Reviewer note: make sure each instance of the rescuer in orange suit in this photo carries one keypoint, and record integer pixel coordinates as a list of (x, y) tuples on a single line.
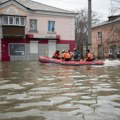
[(89, 56), (71, 54), (67, 56)]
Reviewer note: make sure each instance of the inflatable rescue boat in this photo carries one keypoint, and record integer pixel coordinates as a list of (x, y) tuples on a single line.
[(45, 59)]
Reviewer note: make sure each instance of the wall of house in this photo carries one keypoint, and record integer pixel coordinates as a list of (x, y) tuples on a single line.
[(110, 37), (96, 41), (63, 26)]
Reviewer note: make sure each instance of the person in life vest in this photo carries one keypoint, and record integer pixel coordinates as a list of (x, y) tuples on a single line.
[(89, 56), (67, 56), (56, 55), (71, 54), (63, 55), (76, 55)]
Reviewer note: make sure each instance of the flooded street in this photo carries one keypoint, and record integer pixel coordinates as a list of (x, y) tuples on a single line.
[(30, 90)]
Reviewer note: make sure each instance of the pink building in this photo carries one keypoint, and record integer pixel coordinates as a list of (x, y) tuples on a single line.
[(29, 29)]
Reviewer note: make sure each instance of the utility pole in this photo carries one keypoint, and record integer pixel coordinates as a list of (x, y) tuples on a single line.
[(89, 25)]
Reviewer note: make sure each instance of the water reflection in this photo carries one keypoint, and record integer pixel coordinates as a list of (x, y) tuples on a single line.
[(35, 91)]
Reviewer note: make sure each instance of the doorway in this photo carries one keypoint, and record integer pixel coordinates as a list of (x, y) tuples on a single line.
[(51, 47)]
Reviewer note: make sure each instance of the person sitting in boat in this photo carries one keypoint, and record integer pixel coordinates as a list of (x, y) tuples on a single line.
[(67, 56), (76, 55), (56, 55), (63, 55), (89, 56), (71, 54)]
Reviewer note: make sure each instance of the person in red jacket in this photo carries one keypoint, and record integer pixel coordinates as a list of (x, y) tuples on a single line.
[(56, 55)]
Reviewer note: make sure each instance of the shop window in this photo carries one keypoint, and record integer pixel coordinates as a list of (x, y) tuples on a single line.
[(17, 49)]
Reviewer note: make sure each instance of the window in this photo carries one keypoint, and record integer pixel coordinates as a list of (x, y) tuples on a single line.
[(17, 21), (13, 20), (33, 25), (22, 19), (99, 35), (51, 26), (110, 51), (5, 20), (17, 49)]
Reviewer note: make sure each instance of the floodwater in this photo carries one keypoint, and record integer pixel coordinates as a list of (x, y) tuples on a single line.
[(30, 90)]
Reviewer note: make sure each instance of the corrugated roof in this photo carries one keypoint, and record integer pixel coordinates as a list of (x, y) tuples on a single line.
[(38, 6)]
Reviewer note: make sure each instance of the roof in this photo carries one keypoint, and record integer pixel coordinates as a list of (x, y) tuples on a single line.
[(108, 22), (36, 6)]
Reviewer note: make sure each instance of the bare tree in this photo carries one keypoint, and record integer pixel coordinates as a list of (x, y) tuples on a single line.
[(115, 7), (113, 38), (81, 28)]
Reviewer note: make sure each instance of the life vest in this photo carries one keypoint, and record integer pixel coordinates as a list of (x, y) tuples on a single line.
[(63, 55), (67, 55)]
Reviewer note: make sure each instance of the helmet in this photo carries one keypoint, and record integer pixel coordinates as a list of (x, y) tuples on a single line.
[(74, 49), (63, 50)]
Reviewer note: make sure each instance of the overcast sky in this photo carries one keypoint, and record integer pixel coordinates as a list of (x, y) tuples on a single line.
[(100, 6)]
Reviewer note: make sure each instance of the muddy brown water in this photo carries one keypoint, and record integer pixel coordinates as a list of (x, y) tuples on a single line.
[(30, 90)]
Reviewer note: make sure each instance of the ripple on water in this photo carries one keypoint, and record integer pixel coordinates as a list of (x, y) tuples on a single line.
[(11, 86), (44, 89), (33, 104), (4, 81), (81, 76), (71, 94), (20, 97), (59, 99), (27, 83), (20, 114)]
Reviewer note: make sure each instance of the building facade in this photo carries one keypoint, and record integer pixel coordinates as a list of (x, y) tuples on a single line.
[(29, 29), (106, 38)]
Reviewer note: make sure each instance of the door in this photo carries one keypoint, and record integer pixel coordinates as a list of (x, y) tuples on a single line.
[(100, 51), (51, 47)]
